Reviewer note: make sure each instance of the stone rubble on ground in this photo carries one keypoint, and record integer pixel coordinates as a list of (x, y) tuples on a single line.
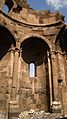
[(36, 114)]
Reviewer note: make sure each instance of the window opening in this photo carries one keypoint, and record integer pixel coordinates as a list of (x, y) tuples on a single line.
[(32, 70), (5, 9), (7, 6)]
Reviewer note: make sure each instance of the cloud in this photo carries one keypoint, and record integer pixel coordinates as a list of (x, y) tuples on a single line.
[(57, 3)]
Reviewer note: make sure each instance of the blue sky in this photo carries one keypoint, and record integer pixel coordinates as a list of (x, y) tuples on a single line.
[(52, 5)]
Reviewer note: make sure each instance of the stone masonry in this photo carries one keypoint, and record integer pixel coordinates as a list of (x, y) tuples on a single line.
[(39, 37)]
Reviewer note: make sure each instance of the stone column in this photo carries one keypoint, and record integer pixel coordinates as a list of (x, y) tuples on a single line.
[(11, 65), (50, 78), (11, 61), (19, 73), (56, 105), (54, 75), (15, 75), (60, 90), (66, 68), (20, 65)]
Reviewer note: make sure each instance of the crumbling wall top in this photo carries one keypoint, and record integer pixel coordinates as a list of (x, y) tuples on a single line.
[(21, 11), (2, 3)]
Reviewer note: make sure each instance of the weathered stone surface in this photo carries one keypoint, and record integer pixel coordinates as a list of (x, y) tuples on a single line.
[(1, 3), (39, 37)]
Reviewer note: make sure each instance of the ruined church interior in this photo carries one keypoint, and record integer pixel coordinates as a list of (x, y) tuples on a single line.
[(33, 62)]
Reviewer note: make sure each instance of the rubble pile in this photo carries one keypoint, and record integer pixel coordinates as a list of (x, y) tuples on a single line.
[(36, 114)]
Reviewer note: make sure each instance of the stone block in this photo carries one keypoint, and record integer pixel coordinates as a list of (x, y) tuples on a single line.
[(32, 19), (33, 106), (65, 103), (24, 14)]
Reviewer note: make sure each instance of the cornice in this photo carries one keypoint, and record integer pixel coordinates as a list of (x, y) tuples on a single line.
[(29, 24)]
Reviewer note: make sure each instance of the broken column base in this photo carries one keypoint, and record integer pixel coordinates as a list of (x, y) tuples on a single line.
[(56, 107)]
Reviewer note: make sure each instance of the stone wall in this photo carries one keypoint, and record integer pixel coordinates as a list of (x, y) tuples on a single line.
[(30, 36)]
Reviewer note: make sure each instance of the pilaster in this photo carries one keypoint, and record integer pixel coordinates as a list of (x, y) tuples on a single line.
[(50, 77), (15, 75), (54, 75)]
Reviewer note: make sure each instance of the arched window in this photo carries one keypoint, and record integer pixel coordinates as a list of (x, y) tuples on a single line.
[(5, 9), (8, 6), (32, 70)]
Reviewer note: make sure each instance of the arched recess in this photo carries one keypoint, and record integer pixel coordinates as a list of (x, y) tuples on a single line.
[(34, 51), (59, 39), (61, 54), (34, 48), (6, 40), (29, 35)]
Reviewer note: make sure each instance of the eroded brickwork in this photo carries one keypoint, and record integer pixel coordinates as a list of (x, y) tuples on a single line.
[(39, 37)]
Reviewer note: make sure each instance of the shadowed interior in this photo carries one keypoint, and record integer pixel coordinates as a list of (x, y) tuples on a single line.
[(6, 40), (34, 50)]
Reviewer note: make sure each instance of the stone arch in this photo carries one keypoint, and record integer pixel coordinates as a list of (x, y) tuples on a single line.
[(38, 36), (34, 50), (6, 27), (59, 32), (56, 38), (6, 40), (44, 43), (59, 43), (9, 31)]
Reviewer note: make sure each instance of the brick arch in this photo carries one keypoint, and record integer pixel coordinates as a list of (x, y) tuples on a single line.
[(38, 36)]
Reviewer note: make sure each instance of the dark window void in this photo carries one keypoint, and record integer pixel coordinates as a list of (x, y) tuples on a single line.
[(6, 41), (7, 6), (34, 50), (32, 70)]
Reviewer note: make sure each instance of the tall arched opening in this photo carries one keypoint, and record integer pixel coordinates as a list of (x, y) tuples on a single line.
[(35, 59), (7, 41)]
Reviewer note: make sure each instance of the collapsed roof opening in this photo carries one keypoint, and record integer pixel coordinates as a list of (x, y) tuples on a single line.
[(33, 50)]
